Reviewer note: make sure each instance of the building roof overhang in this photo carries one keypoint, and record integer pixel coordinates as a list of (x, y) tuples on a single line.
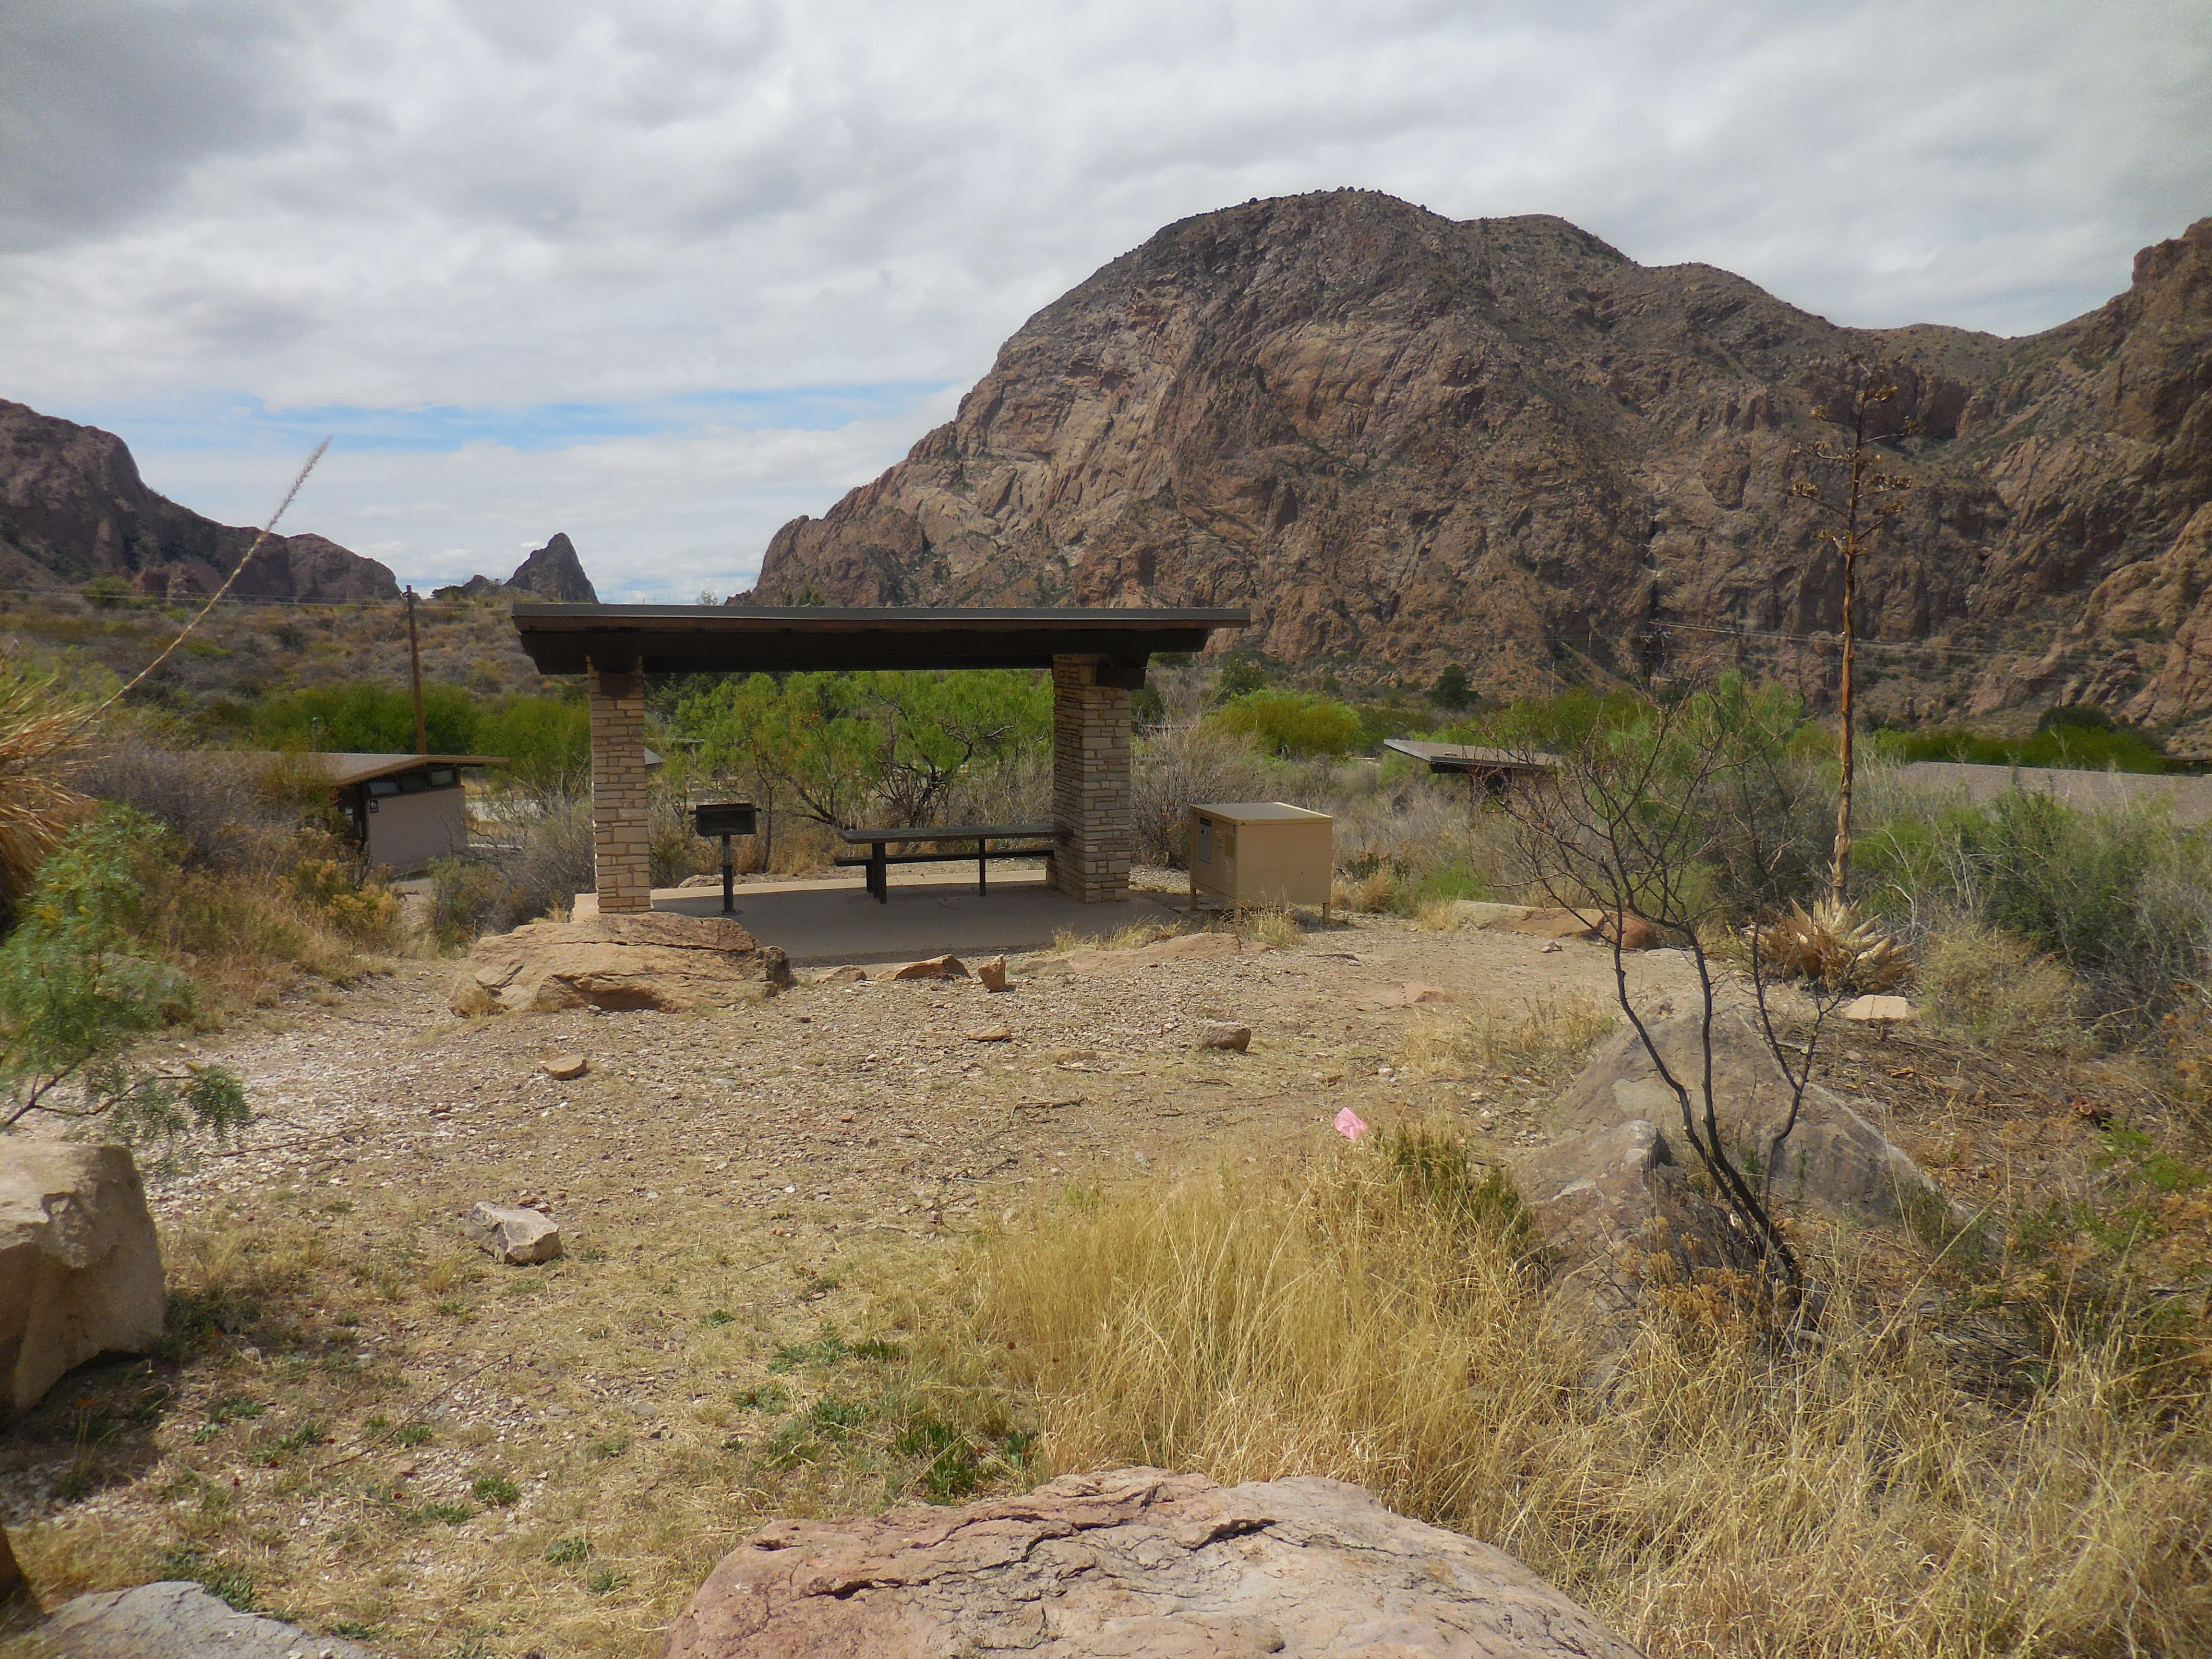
[(709, 639), (344, 768)]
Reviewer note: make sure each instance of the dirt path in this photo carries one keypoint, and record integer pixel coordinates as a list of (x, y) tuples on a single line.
[(369, 1425)]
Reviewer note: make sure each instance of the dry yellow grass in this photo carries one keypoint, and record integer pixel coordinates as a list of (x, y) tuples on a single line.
[(43, 734), (1372, 1320), (1548, 1034)]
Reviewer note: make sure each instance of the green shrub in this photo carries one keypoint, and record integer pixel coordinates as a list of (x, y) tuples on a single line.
[(2085, 739), (78, 988), (2122, 898), (366, 717), (1292, 723)]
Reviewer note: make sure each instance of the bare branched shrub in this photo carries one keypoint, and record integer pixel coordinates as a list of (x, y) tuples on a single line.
[(1176, 765), (1690, 818)]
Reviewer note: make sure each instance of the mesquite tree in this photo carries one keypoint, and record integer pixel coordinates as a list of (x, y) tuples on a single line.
[(1864, 496), (78, 990)]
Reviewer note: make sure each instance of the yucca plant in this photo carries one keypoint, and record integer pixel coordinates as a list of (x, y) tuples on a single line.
[(1832, 945)]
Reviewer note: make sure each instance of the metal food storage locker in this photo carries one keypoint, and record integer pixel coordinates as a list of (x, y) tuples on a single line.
[(1249, 853)]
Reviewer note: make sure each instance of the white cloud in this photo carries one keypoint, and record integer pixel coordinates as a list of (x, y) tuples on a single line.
[(402, 203)]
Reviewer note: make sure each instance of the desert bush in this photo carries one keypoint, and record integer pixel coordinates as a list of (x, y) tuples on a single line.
[(1176, 765), (1831, 945), (1994, 988), (2123, 898), (1015, 787), (78, 990), (366, 717), (1292, 723), (1374, 1317), (547, 860)]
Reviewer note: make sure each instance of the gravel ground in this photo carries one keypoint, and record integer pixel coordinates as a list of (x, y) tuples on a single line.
[(732, 1185)]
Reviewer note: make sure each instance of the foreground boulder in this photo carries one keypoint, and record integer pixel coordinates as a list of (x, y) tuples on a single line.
[(79, 1268), (1134, 1562), (1835, 1160), (661, 960), (176, 1620), (1612, 1205)]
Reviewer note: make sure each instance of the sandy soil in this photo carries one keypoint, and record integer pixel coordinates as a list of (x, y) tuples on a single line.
[(352, 1382)]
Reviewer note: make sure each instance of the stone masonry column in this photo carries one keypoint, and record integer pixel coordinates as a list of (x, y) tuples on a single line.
[(1092, 822), (622, 853)]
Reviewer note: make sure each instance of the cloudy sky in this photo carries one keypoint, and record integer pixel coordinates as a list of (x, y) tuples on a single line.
[(665, 273)]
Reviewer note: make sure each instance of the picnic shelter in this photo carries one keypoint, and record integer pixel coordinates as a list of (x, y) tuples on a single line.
[(1097, 659)]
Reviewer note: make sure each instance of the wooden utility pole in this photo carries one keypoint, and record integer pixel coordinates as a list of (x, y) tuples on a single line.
[(414, 672)]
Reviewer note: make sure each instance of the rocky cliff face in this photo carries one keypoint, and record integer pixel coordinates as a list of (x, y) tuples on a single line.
[(73, 508), (1405, 441)]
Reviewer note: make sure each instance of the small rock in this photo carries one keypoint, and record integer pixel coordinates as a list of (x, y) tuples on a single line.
[(990, 1034), (1219, 1034), (522, 1238), (567, 1067), (944, 967), (992, 973), (1879, 1011), (845, 975), (1636, 933)]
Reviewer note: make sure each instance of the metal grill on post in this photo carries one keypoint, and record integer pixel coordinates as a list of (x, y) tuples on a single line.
[(725, 819)]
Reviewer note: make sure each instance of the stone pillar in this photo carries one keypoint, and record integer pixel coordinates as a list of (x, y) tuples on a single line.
[(622, 854), (1093, 822)]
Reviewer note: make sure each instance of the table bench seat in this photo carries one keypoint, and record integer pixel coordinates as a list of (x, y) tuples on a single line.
[(879, 858)]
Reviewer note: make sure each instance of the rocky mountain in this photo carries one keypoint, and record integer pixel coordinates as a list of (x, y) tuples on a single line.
[(1406, 441), (73, 509), (553, 574)]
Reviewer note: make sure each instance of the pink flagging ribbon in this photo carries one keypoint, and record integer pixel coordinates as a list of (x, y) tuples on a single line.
[(1349, 1124)]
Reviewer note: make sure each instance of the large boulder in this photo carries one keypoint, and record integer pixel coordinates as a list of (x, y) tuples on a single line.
[(176, 1620), (1834, 1160), (1134, 1562), (80, 1266), (660, 960)]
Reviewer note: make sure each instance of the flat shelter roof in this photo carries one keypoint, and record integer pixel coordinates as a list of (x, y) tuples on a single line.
[(346, 766), (693, 639), (1471, 758)]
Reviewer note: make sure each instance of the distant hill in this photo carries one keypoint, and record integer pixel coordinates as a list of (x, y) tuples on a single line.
[(1406, 441), (73, 509), (552, 573)]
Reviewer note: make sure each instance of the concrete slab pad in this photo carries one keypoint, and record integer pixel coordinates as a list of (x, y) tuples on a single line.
[(818, 923)]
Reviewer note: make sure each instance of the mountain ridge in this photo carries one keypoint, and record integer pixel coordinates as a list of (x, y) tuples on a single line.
[(73, 509), (1406, 441)]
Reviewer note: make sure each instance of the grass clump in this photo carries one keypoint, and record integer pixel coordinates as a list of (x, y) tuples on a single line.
[(1376, 1318), (1550, 1035), (1993, 989)]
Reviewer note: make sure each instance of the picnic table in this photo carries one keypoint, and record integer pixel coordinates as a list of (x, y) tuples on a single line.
[(879, 858)]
